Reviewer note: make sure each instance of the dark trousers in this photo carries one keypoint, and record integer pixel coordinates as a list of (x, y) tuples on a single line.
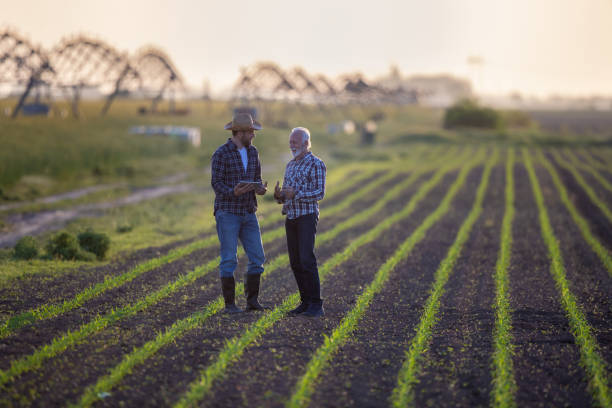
[(301, 233)]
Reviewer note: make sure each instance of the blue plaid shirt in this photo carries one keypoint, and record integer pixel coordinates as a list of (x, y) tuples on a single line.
[(227, 170), (307, 177)]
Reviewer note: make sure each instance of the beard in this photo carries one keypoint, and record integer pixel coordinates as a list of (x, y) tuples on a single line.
[(246, 142), (297, 152)]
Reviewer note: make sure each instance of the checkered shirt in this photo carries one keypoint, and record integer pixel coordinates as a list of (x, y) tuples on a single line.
[(227, 170), (307, 177)]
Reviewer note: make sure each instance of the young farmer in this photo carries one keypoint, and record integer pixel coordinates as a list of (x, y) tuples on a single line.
[(235, 205)]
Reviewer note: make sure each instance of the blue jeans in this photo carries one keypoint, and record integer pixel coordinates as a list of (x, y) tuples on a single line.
[(230, 228)]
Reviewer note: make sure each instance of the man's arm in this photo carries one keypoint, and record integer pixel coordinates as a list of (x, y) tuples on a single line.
[(217, 180)]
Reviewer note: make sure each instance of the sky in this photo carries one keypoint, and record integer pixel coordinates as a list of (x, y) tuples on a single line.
[(535, 47)]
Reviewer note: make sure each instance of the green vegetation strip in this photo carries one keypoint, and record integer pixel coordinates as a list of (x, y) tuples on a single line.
[(403, 394), (322, 357), (180, 327), (504, 385), (49, 311), (60, 344), (590, 169), (594, 158), (52, 310), (236, 346), (580, 221), (585, 186), (592, 361)]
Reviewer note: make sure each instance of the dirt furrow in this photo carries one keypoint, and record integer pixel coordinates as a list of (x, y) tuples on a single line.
[(364, 372), (588, 278), (457, 370), (49, 287), (27, 339), (600, 225), (169, 373), (604, 194), (88, 361), (546, 360), (43, 289)]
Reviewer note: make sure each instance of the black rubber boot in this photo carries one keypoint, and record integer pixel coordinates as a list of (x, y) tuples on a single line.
[(251, 291), (228, 286), (315, 309)]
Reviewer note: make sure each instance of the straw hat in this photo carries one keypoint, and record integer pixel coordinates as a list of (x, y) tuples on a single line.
[(243, 121)]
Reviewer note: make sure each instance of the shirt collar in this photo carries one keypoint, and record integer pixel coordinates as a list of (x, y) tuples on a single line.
[(232, 146), (309, 153)]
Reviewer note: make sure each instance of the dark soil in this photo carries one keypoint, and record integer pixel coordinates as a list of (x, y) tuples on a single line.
[(546, 360), (600, 191), (179, 364), (105, 349), (47, 288), (364, 372), (457, 370), (600, 226), (588, 278)]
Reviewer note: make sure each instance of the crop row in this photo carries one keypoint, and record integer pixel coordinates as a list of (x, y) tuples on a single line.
[(232, 350), (504, 385), (60, 344), (48, 311)]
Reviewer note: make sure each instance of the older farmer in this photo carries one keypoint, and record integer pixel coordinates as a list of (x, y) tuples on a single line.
[(303, 187)]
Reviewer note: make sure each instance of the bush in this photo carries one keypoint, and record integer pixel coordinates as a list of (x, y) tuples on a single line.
[(26, 248), (467, 113), (65, 246), (96, 243)]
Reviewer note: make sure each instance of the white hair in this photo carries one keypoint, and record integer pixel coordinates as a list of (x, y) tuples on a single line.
[(305, 134)]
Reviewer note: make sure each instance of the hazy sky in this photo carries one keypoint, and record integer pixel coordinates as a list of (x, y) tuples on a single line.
[(537, 47)]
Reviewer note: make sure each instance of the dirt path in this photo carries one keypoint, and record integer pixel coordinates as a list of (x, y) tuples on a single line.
[(23, 224), (546, 361)]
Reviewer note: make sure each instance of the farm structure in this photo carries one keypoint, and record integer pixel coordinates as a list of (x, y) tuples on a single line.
[(458, 276)]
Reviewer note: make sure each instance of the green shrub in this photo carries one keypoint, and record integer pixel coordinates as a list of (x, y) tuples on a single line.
[(467, 113), (26, 248), (96, 243), (123, 228), (65, 246)]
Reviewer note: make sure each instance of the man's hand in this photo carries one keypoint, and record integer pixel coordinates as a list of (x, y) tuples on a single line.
[(288, 192), (278, 194), (262, 188), (241, 189)]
